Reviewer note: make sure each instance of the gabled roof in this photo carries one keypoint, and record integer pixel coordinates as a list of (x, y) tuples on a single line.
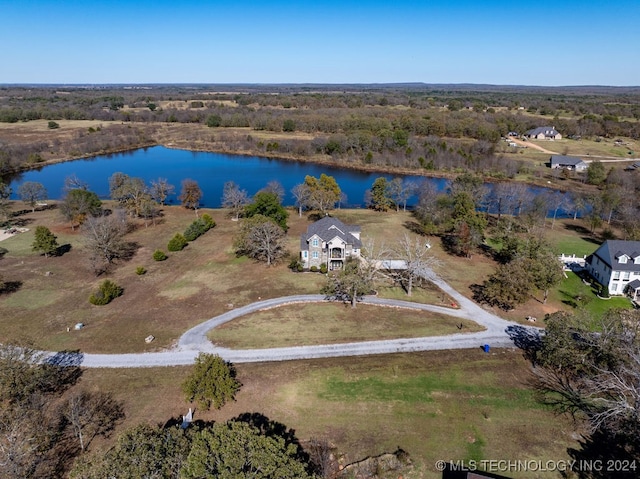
[(545, 130), (611, 250), (566, 160), (328, 228), (635, 284)]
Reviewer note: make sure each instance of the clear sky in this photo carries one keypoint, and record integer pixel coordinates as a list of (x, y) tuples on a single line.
[(572, 42)]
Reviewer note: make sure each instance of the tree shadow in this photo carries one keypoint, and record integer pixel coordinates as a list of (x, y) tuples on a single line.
[(612, 453), (63, 370), (414, 227), (61, 250), (10, 287), (274, 429), (528, 339), (129, 250)]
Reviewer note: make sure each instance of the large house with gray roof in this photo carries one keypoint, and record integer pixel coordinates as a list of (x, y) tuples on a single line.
[(568, 163), (616, 265), (331, 242), (543, 133)]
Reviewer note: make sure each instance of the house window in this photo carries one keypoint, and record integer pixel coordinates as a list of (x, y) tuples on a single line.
[(616, 275), (304, 254), (314, 242), (625, 276), (622, 259), (315, 255)]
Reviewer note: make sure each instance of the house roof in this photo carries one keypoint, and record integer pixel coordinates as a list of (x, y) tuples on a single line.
[(611, 250), (545, 130), (566, 160), (635, 284), (328, 228)]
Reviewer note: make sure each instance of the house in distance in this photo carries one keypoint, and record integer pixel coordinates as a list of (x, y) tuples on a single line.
[(543, 133), (330, 242), (568, 163)]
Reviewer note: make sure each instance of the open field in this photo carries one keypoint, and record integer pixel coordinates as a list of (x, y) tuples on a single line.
[(332, 323), (585, 148), (442, 405)]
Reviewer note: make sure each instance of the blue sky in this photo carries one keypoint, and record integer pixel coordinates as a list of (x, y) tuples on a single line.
[(499, 42)]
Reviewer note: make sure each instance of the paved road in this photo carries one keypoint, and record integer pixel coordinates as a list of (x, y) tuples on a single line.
[(195, 340)]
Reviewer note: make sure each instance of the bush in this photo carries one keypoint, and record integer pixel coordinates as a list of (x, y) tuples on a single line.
[(177, 243), (295, 265), (300, 268), (140, 270), (199, 227), (208, 220), (108, 291), (52, 125), (323, 268), (159, 255), (313, 269)]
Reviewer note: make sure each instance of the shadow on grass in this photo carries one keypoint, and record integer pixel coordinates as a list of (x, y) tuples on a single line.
[(586, 235), (61, 250), (10, 287)]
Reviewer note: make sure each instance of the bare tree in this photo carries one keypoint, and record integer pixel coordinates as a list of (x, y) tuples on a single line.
[(103, 238), (234, 198), (418, 261), (92, 414), (72, 182), (160, 190), (400, 190), (191, 194), (261, 238), (276, 188), (301, 193), (31, 192)]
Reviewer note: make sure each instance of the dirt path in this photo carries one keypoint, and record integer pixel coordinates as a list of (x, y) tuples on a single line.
[(528, 144)]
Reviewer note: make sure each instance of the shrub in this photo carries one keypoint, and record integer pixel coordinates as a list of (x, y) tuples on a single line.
[(177, 243), (107, 291), (159, 255), (52, 125), (295, 265), (208, 220), (140, 270), (323, 268), (313, 269), (300, 268), (199, 227)]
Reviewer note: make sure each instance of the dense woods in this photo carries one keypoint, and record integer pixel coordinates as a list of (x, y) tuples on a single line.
[(418, 127)]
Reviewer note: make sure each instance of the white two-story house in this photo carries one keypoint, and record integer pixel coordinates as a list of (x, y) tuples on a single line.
[(329, 241), (616, 265)]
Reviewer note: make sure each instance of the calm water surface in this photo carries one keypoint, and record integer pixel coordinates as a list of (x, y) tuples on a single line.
[(210, 170)]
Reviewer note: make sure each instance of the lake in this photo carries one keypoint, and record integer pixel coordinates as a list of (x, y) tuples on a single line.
[(210, 170)]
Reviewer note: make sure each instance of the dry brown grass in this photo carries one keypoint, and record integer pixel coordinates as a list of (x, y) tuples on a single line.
[(435, 405), (309, 324)]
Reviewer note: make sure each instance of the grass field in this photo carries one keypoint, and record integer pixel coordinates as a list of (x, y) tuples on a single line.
[(436, 405), (446, 405), (307, 324), (586, 148)]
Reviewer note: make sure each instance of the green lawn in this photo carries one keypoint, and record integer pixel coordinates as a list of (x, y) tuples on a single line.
[(573, 292)]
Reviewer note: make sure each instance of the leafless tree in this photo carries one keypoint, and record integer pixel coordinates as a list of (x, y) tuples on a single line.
[(276, 188), (92, 414), (234, 198), (104, 239), (262, 239), (419, 262), (301, 193), (31, 192), (160, 190)]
